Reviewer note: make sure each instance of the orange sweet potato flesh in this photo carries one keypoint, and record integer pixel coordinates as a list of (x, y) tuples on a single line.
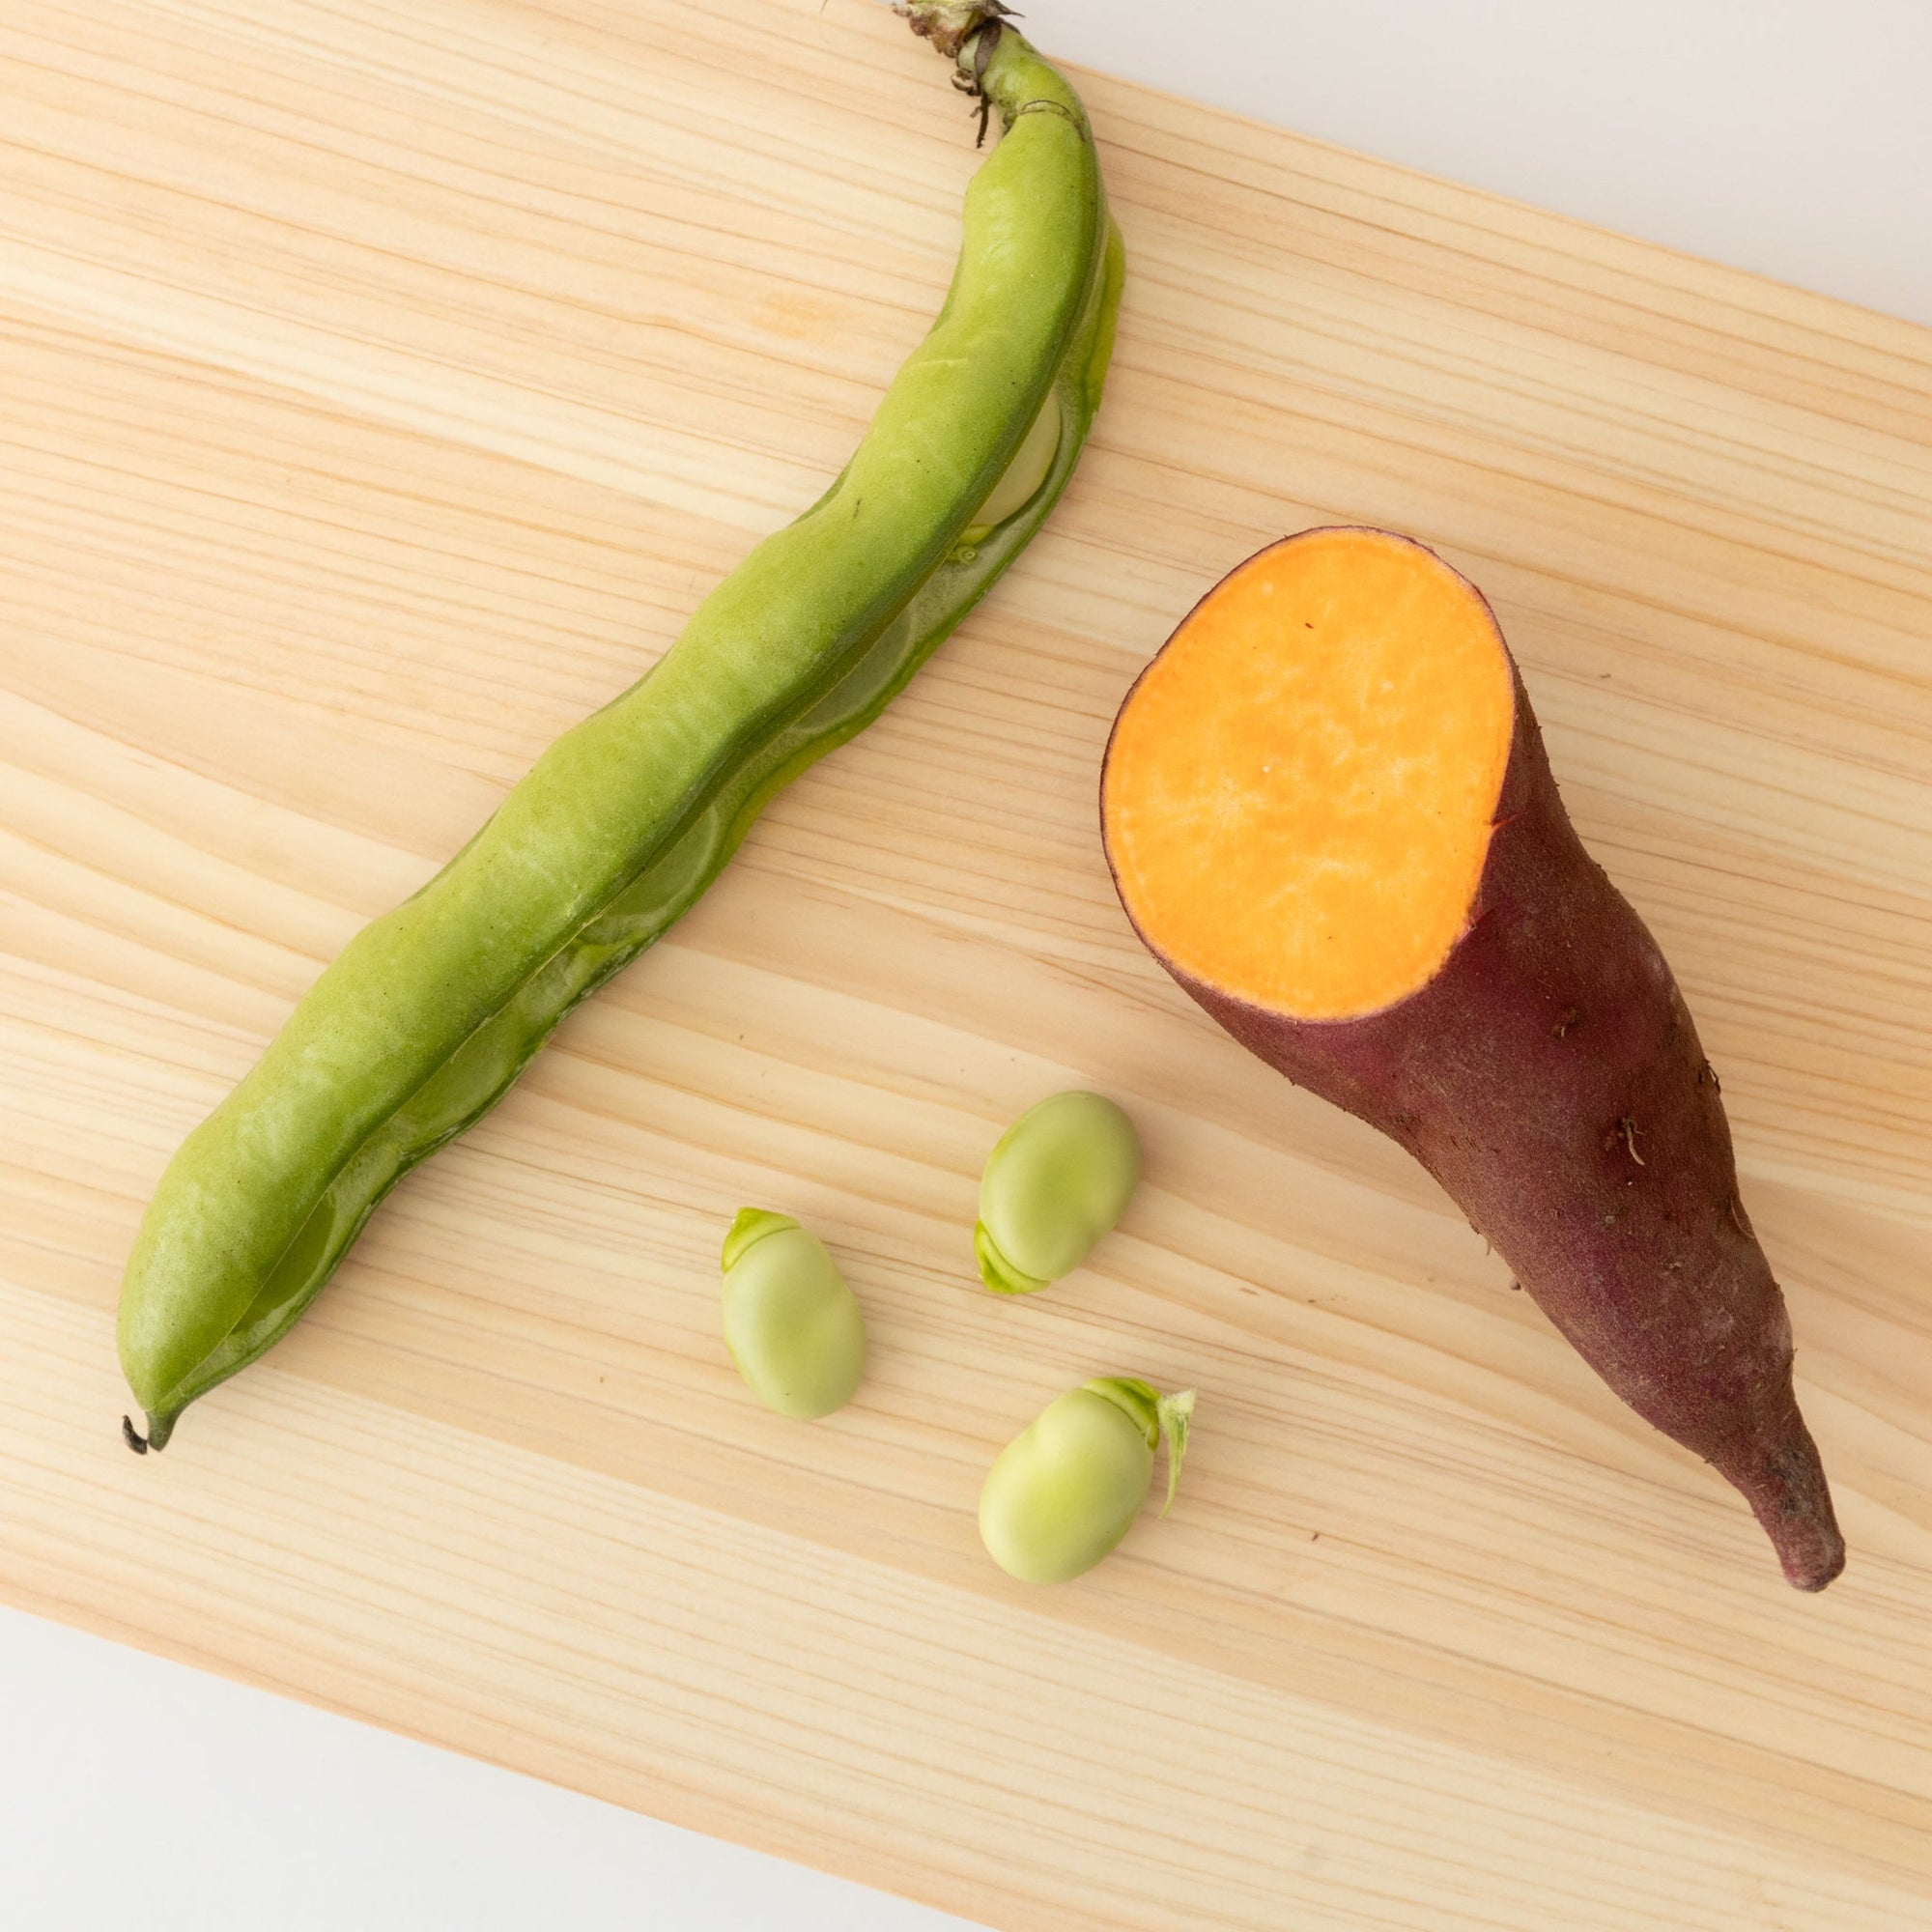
[(1330, 817)]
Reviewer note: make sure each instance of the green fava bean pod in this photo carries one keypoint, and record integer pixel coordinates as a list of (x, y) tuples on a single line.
[(1065, 1490), (427, 1016), (1057, 1180), (794, 1329)]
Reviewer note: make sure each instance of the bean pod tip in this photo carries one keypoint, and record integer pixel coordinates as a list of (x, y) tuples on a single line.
[(160, 1429)]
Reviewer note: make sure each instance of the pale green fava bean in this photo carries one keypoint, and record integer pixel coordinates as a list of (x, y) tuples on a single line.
[(1057, 1180), (1067, 1488), (794, 1329)]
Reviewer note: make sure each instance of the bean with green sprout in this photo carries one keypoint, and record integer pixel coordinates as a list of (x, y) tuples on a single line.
[(1066, 1490)]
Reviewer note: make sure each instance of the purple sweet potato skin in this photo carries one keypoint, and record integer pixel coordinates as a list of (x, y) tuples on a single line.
[(1550, 1078)]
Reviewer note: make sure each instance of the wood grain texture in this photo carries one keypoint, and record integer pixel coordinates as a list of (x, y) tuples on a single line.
[(379, 388)]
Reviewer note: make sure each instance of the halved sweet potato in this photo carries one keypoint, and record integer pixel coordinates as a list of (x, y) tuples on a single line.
[(1330, 817)]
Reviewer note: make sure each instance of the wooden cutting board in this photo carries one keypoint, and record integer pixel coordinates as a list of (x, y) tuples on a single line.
[(381, 387)]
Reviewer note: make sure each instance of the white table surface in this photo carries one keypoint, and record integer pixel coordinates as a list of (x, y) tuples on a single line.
[(1791, 137)]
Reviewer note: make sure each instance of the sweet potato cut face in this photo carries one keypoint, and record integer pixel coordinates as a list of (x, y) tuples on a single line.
[(1330, 817), (1311, 838)]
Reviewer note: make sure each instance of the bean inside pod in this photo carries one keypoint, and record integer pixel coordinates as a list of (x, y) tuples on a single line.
[(794, 1329), (1057, 1180), (1066, 1490), (1023, 476)]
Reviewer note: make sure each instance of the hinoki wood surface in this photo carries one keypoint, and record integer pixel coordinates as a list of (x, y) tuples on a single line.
[(379, 388)]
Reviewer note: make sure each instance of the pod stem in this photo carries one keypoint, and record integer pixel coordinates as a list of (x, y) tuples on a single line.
[(967, 33), (1155, 1415), (949, 24)]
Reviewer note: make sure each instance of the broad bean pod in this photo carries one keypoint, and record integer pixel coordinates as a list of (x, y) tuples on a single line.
[(429, 1014)]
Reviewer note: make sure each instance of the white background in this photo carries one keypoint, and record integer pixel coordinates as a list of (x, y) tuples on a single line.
[(1790, 137), (1793, 137)]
